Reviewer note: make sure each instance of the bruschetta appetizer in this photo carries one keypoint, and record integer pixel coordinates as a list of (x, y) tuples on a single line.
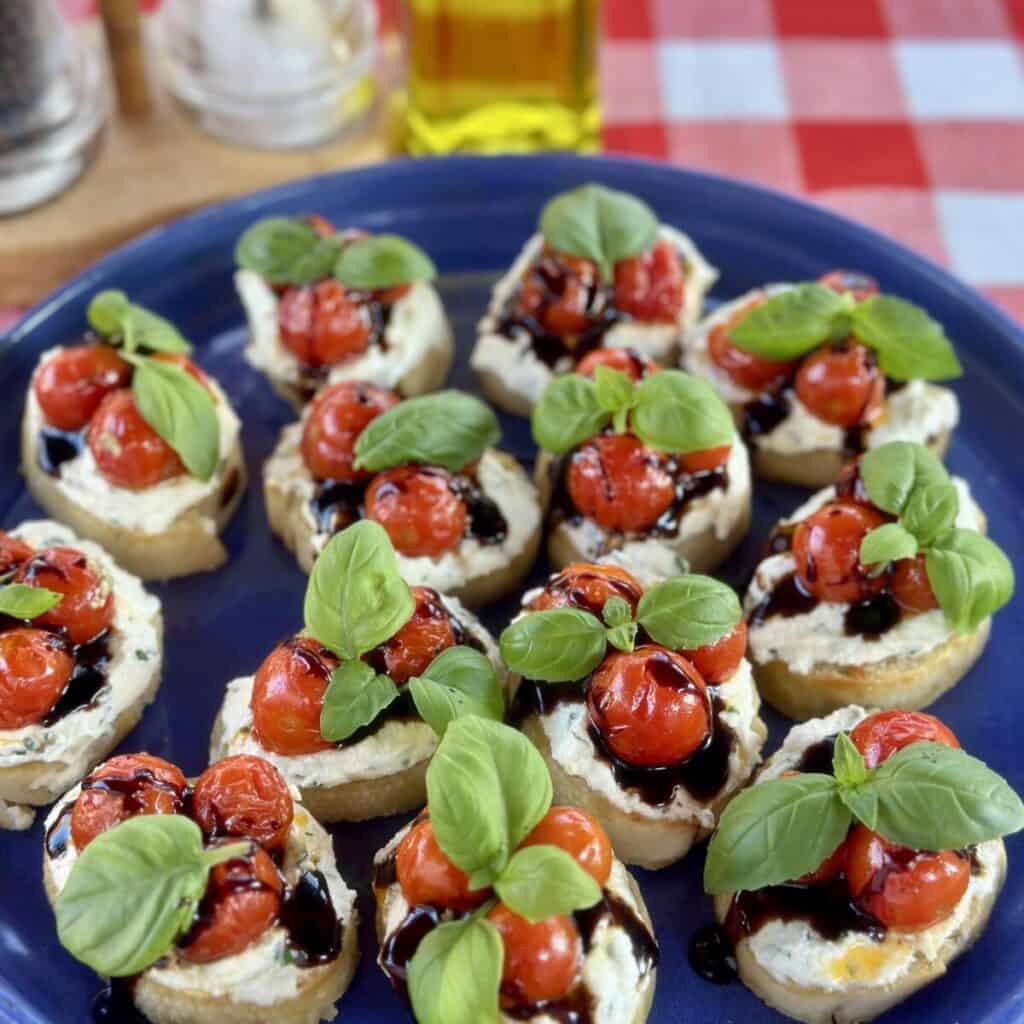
[(81, 647), (640, 700), (647, 465), (216, 901), (600, 272), (325, 305), (819, 372), (878, 591), (351, 708), (867, 856), (497, 903), (133, 446), (463, 517)]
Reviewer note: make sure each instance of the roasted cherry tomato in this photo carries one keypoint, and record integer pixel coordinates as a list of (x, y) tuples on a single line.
[(744, 368), (650, 706), (580, 835), (321, 225), (128, 451), (243, 899), (626, 360), (336, 418), (826, 547), (588, 586), (288, 694), (321, 324), (182, 361), (411, 650), (830, 869), (910, 586), (426, 875), (718, 661), (620, 483), (124, 787), (860, 286), (87, 606), (880, 735), (841, 384), (12, 552), (850, 485), (562, 293), (542, 960), (243, 797), (904, 888), (35, 667), (71, 384), (705, 461), (417, 507), (650, 287)]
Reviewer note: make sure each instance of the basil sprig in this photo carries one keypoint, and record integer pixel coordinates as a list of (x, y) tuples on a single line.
[(449, 429), (909, 344), (21, 601), (487, 788), (599, 224), (134, 890), (460, 681), (969, 575), (382, 261), (927, 797), (669, 411), (561, 645), (121, 322)]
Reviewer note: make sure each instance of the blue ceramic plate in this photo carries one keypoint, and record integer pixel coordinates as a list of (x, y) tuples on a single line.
[(472, 215)]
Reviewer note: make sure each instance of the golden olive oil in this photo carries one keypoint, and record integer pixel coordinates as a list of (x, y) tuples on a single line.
[(501, 75)]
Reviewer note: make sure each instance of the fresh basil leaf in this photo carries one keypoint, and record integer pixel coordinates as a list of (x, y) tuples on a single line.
[(382, 261), (790, 323), (487, 787), (355, 696), (931, 797), (675, 412), (568, 414), (20, 601), (910, 345), (122, 322), (775, 832), (449, 429), (599, 224), (614, 389), (887, 543), (894, 471), (543, 881), (455, 973), (616, 612), (688, 612), (180, 410), (559, 645), (847, 764), (133, 890), (459, 681), (971, 577), (930, 510), (285, 250), (106, 310), (623, 637), (356, 598)]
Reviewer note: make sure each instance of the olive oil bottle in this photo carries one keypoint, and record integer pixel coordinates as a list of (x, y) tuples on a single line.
[(501, 75)]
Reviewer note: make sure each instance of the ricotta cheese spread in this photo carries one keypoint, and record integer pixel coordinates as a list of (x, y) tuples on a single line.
[(818, 636), (513, 360), (68, 748)]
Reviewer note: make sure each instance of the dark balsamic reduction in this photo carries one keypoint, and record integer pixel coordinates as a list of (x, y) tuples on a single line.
[(58, 834), (764, 413), (336, 504), (817, 758), (486, 523), (57, 447), (712, 956), (787, 599), (401, 945), (88, 679), (115, 1004), (309, 917)]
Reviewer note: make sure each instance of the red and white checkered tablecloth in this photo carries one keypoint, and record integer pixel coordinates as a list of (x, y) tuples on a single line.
[(904, 114)]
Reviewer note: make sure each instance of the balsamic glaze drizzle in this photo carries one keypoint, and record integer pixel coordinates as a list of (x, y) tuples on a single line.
[(57, 447)]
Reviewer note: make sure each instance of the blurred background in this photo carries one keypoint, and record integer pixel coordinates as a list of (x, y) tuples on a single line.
[(116, 116)]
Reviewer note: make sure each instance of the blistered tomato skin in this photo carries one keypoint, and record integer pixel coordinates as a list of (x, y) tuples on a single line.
[(182, 361), (418, 509), (910, 586), (626, 360), (650, 287), (882, 734), (128, 451), (427, 876), (841, 384), (744, 368), (826, 548), (588, 586), (336, 418), (542, 961), (411, 650), (322, 324), (243, 899), (35, 667), (288, 695), (243, 797), (559, 292), (580, 835), (718, 662), (70, 385), (620, 483), (124, 787), (12, 552), (860, 286), (705, 461), (903, 888), (86, 608), (650, 706), (830, 869)]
